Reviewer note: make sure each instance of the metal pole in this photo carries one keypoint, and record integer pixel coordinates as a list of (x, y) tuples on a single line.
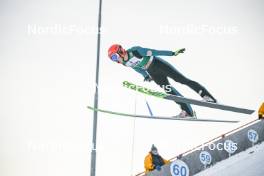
[(93, 152)]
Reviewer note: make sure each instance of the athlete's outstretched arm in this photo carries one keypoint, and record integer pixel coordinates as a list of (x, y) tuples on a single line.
[(153, 52)]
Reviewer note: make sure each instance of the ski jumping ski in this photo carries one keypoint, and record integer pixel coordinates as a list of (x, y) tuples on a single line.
[(150, 92), (158, 117)]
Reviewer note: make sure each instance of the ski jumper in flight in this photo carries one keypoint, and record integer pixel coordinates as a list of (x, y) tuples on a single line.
[(146, 62)]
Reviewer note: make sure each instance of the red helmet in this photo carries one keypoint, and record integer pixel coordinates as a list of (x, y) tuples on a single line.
[(116, 49)]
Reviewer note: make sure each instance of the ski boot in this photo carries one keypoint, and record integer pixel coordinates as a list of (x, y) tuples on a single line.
[(209, 99), (184, 114)]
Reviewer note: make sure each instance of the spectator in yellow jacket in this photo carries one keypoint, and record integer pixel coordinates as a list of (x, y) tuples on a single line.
[(153, 160), (261, 111)]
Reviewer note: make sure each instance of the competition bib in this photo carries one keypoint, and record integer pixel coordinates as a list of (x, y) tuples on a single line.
[(133, 62)]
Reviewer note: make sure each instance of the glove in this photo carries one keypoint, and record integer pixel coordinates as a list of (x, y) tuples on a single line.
[(158, 168), (179, 51), (148, 78)]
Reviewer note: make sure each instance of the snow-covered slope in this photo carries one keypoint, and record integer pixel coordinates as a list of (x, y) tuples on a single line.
[(247, 163)]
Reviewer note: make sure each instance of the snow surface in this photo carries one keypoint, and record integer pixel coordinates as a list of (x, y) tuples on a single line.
[(247, 163)]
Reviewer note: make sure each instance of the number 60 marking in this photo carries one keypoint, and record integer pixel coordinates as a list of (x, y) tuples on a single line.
[(179, 168)]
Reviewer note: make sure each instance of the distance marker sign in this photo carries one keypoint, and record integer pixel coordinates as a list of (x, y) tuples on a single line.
[(179, 168)]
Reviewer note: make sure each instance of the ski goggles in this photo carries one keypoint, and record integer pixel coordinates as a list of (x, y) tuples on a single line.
[(115, 57), (121, 52)]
